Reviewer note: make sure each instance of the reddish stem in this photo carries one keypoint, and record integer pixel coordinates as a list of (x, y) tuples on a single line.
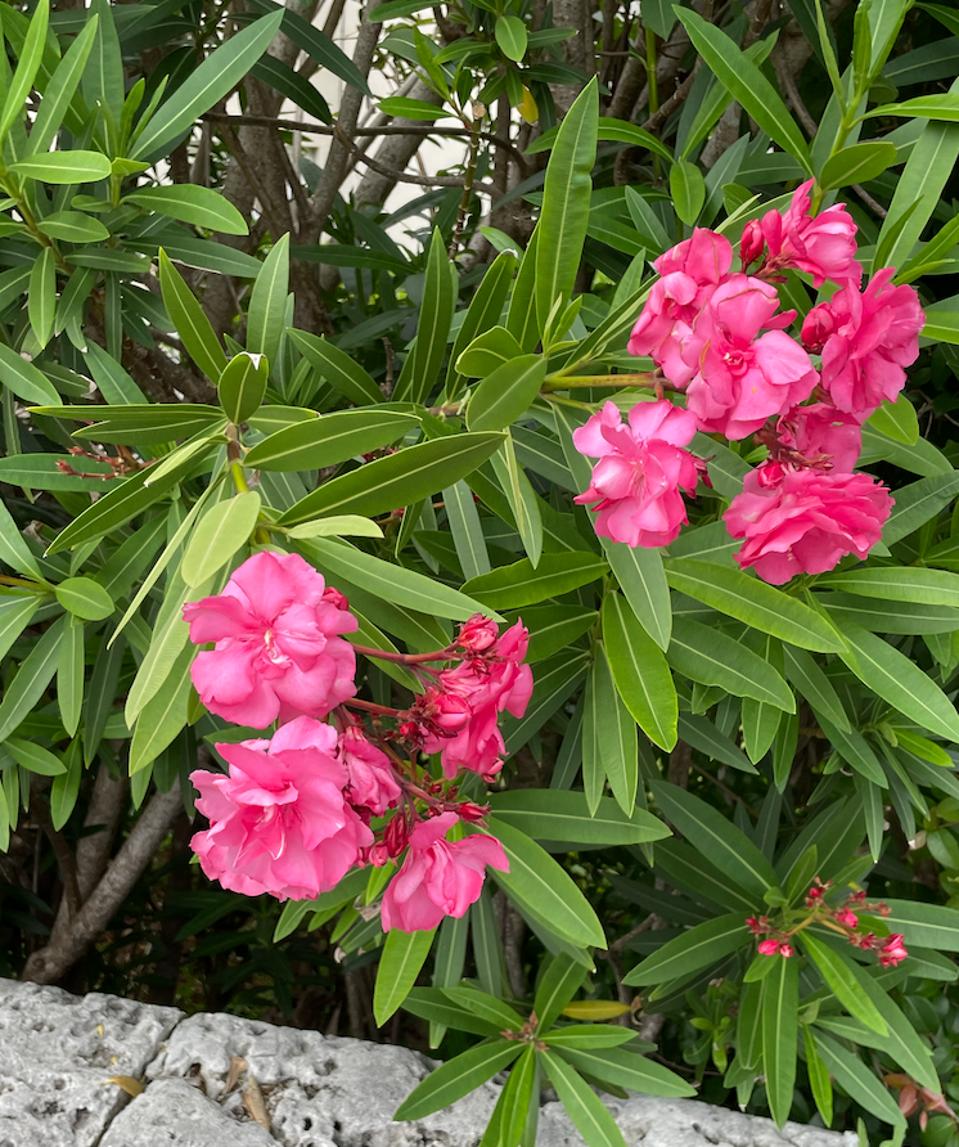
[(372, 707), (405, 658)]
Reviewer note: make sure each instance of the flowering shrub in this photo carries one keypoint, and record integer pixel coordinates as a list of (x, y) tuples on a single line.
[(541, 624)]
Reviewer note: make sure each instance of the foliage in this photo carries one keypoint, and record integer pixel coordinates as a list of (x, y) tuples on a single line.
[(399, 410)]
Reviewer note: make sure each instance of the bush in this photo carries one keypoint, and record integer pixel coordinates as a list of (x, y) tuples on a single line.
[(663, 705)]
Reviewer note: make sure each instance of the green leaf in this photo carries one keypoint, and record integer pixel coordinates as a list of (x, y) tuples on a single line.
[(242, 386), (485, 1006), (329, 439), (806, 675), (22, 377), (585, 1036), (63, 167), (390, 582), (42, 297), (404, 954), (627, 1069), (819, 1082), (70, 665), (421, 370), (900, 682), (695, 949), (523, 501), (858, 1082), (337, 368), (918, 502), (194, 328), (15, 615), (398, 480), (711, 657), (944, 108), (191, 203), (754, 602), (780, 1031), (346, 525), (267, 310), (31, 57), (512, 586), (511, 36), (85, 598), (840, 978), (586, 1110), (466, 529), (27, 686), (925, 925), (642, 578), (483, 312), (55, 105), (34, 758), (899, 583), (206, 85), (610, 747), (558, 815), (746, 84), (65, 790), (561, 979), (715, 837), (640, 673), (516, 1099), (224, 529), (164, 715), (506, 394), (564, 215), (405, 108), (538, 884), (14, 551), (458, 1077), (857, 163), (488, 352), (687, 189), (73, 227)]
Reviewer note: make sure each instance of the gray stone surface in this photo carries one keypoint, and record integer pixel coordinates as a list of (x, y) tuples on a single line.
[(222, 1081), (57, 1053)]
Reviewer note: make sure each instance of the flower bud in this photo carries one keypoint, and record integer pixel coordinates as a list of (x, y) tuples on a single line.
[(334, 597), (817, 327), (478, 634), (472, 812), (752, 243)]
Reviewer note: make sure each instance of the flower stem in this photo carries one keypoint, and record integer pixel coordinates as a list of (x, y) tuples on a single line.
[(404, 658), (372, 707), (619, 381)]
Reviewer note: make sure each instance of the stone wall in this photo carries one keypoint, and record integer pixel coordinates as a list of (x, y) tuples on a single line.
[(69, 1066)]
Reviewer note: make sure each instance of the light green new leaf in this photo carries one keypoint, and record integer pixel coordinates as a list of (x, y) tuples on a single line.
[(70, 675), (34, 758), (164, 715), (404, 954), (223, 530), (191, 203), (194, 328), (421, 369), (564, 215), (265, 318), (14, 551), (15, 615), (747, 85), (640, 672), (511, 36), (857, 163), (215, 77), (85, 598), (505, 395), (63, 167), (242, 386)]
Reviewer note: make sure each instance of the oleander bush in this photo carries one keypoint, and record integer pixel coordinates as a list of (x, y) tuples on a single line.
[(506, 607)]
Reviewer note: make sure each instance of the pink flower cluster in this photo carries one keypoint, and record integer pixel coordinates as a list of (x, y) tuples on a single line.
[(842, 919), (720, 336), (294, 812)]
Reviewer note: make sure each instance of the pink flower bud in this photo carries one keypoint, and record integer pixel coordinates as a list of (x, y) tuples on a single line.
[(332, 595), (817, 327), (378, 855), (847, 918), (893, 951), (396, 836), (769, 947), (472, 812), (477, 634), (786, 950), (752, 243)]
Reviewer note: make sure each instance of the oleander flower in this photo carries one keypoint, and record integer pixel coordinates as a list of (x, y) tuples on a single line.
[(796, 521), (278, 651), (371, 782), (439, 877), (867, 339), (642, 470), (279, 818), (821, 435)]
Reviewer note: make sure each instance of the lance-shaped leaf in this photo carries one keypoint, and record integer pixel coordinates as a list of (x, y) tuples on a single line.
[(194, 328), (640, 673), (404, 954)]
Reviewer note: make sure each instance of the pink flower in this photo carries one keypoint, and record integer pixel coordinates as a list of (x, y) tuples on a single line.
[(803, 521), (847, 918), (477, 634), (371, 782), (278, 651), (439, 878), (820, 435), (641, 470), (488, 685), (690, 272), (823, 245), (867, 338), (744, 377), (893, 951), (279, 820)]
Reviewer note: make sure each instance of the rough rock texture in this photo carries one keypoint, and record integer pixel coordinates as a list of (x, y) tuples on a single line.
[(221, 1081)]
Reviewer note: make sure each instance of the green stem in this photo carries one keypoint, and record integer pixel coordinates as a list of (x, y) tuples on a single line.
[(617, 381)]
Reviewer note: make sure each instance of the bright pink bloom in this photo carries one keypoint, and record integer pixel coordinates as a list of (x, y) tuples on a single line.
[(786, 950), (689, 272), (867, 338), (489, 684), (372, 783), (823, 245), (278, 652), (804, 521), (893, 951), (847, 918), (641, 470), (746, 377), (477, 634), (820, 435), (439, 877), (776, 948), (279, 820)]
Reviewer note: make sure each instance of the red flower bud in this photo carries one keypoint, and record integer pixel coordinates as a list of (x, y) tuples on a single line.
[(752, 243), (472, 812), (334, 597), (817, 327), (478, 634)]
